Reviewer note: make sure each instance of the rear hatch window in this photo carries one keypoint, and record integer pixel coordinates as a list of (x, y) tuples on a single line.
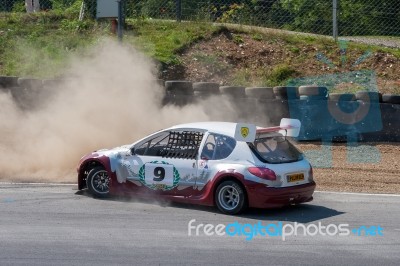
[(274, 148)]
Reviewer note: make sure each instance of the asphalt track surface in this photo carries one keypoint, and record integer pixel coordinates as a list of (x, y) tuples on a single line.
[(57, 225)]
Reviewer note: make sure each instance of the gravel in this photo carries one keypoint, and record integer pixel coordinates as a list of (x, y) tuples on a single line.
[(367, 167), (386, 41)]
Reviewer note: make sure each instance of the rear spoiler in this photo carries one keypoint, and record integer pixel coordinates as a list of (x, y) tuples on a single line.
[(247, 132), (288, 127)]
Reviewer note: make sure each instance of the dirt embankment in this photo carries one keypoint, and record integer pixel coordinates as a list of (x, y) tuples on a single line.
[(254, 59)]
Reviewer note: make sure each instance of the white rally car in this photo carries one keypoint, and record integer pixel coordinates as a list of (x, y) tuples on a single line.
[(230, 165)]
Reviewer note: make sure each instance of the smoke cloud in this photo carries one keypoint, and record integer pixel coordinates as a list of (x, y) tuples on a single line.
[(109, 99)]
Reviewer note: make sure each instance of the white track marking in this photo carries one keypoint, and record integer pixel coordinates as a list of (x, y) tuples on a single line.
[(317, 191), (358, 194), (38, 184)]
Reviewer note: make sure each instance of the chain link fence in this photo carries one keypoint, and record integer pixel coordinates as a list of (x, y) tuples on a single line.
[(351, 17)]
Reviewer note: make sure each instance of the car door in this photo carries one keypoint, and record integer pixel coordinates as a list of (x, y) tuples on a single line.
[(215, 150), (167, 162)]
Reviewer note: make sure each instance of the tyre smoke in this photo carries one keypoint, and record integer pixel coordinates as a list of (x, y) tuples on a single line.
[(108, 99)]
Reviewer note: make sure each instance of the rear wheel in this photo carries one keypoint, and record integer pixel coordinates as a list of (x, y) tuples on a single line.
[(98, 182), (230, 197)]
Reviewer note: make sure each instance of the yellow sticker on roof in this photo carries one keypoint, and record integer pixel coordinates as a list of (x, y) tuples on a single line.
[(245, 132)]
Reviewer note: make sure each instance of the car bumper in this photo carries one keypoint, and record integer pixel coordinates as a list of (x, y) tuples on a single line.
[(260, 196)]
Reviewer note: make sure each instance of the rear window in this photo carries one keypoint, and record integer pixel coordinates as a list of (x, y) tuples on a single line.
[(276, 149)]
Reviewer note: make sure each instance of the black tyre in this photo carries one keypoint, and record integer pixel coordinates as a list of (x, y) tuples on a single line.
[(30, 83), (260, 92), (342, 97), (286, 93), (23, 97), (206, 88), (160, 82), (313, 92), (52, 83), (230, 197), (179, 87), (391, 98), (369, 96), (6, 82), (234, 91), (98, 182)]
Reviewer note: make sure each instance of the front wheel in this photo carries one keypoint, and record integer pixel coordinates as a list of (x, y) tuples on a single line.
[(98, 182), (230, 197)]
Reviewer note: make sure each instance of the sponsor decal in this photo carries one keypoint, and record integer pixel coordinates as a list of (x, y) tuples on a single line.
[(159, 175), (244, 131)]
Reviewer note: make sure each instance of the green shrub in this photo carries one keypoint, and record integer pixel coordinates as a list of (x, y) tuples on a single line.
[(281, 73)]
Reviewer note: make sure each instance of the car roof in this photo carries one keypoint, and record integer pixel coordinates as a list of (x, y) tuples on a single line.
[(225, 128)]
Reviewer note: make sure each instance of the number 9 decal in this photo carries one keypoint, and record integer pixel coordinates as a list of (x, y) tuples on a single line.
[(159, 174)]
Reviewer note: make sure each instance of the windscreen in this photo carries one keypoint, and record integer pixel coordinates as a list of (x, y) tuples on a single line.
[(275, 149)]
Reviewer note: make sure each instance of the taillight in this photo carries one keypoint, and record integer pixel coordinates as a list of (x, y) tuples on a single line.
[(311, 174), (264, 173)]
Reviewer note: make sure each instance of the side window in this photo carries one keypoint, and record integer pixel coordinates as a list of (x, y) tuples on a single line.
[(172, 144), (153, 146), (218, 147), (182, 144), (209, 148)]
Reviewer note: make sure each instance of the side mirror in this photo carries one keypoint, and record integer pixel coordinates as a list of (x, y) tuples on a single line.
[(133, 151)]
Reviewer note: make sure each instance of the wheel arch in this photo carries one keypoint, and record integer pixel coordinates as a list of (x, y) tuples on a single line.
[(229, 175), (84, 171)]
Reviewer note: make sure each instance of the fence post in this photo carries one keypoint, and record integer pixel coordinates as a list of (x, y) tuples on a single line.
[(120, 20), (178, 10), (334, 20)]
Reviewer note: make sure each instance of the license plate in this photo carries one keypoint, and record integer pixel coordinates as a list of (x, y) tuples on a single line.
[(295, 177)]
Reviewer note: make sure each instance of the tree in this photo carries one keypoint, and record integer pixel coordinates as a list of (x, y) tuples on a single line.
[(355, 17)]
